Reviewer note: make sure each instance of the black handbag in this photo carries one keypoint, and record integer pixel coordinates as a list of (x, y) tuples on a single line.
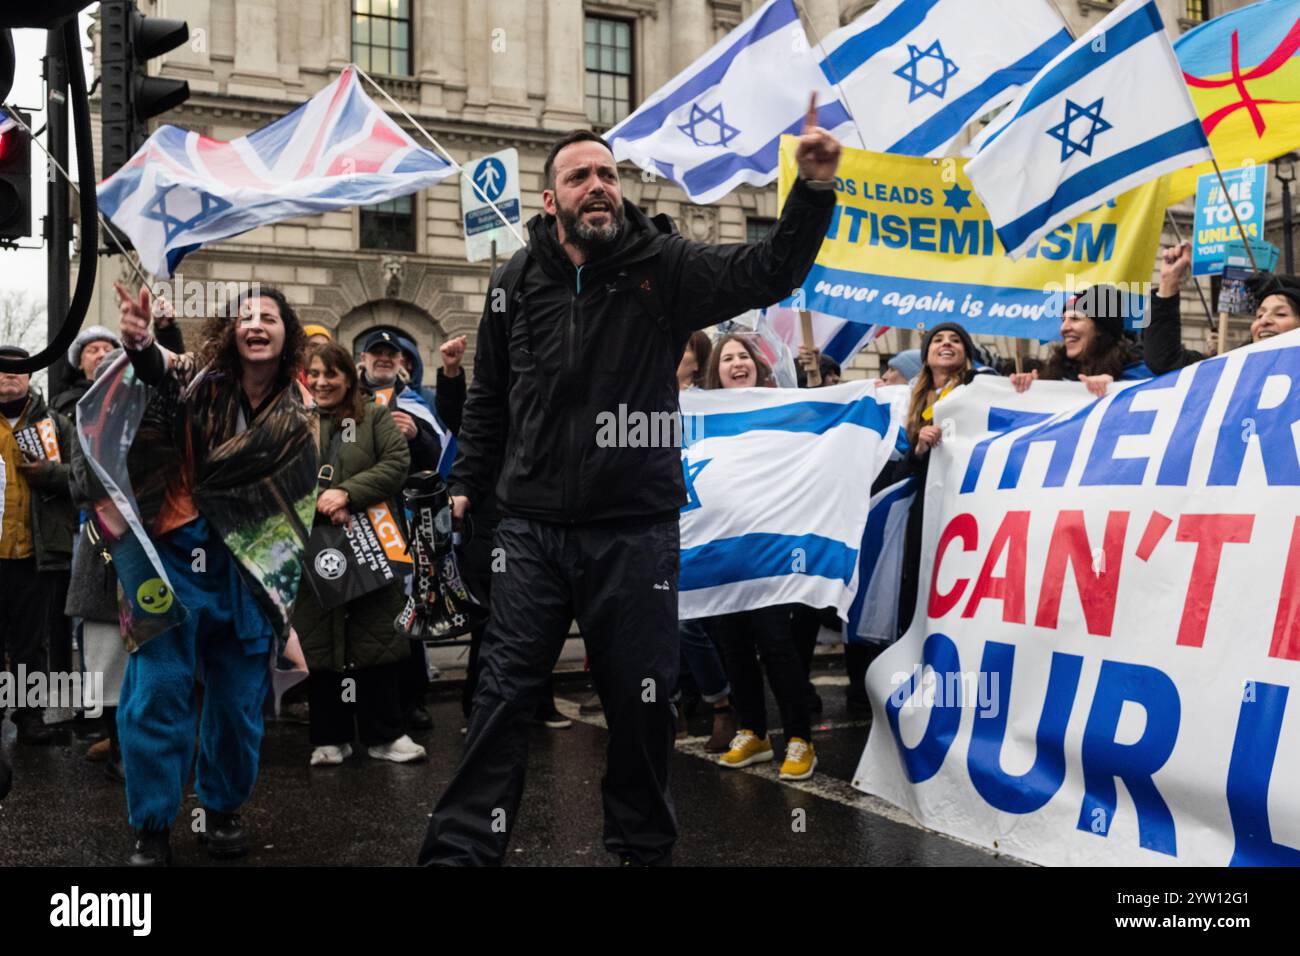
[(345, 562)]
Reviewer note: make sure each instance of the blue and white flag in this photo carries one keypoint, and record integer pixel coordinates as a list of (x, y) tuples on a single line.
[(410, 401), (719, 123), (778, 486), (915, 73), (1109, 114), (873, 616), (337, 150), (834, 337)]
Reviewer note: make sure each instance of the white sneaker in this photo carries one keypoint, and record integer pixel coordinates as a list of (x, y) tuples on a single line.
[(330, 756), (401, 750)]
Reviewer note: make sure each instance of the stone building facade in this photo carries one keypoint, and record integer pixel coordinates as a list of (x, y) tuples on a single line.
[(480, 76)]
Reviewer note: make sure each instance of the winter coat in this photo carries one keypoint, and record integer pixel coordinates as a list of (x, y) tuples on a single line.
[(918, 467), (51, 517), (371, 469), (92, 590), (575, 345), (1162, 342), (426, 447)]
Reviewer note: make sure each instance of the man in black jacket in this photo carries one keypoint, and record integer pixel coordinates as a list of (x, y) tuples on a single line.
[(590, 321)]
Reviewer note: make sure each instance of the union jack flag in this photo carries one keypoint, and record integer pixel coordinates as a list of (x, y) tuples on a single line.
[(337, 150)]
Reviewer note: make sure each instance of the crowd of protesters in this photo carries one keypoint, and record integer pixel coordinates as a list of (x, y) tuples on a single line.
[(265, 402)]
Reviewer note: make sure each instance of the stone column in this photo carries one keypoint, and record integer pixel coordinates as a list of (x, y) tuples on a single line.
[(692, 32), (424, 57), (256, 36), (565, 65), (477, 50), (507, 59), (824, 17), (339, 24)]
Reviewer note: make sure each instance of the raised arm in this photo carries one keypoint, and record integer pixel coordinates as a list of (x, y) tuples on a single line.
[(1162, 342), (150, 360), (483, 423), (713, 283)]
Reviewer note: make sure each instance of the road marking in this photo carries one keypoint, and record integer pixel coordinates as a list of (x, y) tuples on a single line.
[(819, 785)]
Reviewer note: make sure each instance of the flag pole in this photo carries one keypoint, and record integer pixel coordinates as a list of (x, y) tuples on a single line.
[(1178, 235), (71, 181), (438, 146), (844, 97), (1241, 230), (1250, 253)]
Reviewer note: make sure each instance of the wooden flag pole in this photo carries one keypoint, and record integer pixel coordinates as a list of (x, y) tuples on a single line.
[(1241, 230), (811, 370), (1250, 253), (1178, 235)]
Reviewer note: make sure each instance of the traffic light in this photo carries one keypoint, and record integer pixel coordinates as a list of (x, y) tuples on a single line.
[(131, 96), (15, 177)]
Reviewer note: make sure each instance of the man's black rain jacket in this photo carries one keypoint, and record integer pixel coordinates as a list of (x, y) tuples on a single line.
[(561, 349)]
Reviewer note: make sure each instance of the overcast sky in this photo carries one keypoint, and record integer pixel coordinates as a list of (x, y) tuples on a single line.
[(26, 268)]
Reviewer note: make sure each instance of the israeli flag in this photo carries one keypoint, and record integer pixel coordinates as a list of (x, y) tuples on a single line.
[(1109, 114), (873, 616), (778, 487), (832, 336), (915, 73), (719, 123)]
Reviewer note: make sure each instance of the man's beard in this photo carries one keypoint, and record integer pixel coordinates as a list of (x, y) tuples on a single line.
[(592, 241), (384, 379)]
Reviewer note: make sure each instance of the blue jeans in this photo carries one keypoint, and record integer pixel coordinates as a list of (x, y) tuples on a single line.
[(701, 657)]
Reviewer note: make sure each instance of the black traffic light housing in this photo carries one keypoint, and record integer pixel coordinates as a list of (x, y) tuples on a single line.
[(130, 96), (16, 178)]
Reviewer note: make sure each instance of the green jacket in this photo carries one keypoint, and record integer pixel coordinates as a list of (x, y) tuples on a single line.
[(371, 468), (53, 517)]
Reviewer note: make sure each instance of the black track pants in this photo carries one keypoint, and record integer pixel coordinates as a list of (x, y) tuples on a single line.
[(620, 583)]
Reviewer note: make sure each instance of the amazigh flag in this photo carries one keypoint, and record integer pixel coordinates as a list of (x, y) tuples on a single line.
[(1243, 70), (108, 417)]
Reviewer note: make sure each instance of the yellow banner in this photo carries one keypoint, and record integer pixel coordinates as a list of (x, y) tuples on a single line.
[(911, 245)]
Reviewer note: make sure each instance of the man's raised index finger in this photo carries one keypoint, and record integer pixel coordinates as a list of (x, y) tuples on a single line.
[(810, 121)]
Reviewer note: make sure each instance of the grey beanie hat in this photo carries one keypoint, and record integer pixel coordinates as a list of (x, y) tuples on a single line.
[(907, 363), (92, 333)]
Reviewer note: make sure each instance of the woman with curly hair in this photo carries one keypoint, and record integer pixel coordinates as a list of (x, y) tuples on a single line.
[(225, 474), (1092, 349)]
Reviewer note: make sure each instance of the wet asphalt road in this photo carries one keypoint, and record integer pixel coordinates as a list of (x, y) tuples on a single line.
[(64, 811)]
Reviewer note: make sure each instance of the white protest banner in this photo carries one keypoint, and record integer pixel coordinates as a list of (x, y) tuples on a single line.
[(1108, 622)]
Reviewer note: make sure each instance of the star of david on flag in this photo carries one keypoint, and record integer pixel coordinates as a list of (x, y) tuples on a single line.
[(159, 211), (763, 71), (916, 69), (690, 469), (708, 123), (337, 150), (957, 59), (1150, 130), (1062, 132)]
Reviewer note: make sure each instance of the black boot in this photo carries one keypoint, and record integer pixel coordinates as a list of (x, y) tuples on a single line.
[(225, 837), (417, 718), (152, 848), (6, 775), (33, 731), (113, 765)]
